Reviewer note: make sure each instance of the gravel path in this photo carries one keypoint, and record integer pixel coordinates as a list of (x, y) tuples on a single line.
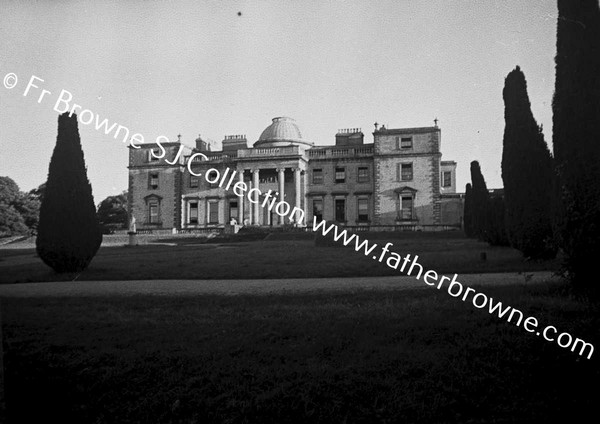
[(258, 287)]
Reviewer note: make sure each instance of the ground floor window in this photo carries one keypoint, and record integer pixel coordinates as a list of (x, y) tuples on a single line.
[(340, 210), (213, 212), (193, 216), (153, 212), (233, 210), (406, 207), (363, 209), (318, 209)]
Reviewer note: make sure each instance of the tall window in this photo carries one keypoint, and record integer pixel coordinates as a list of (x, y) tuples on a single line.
[(406, 207), (153, 212), (194, 181), (193, 218), (363, 209), (317, 175), (318, 209), (447, 179), (406, 172), (363, 174), (213, 212), (340, 175), (233, 210), (340, 210), (153, 180)]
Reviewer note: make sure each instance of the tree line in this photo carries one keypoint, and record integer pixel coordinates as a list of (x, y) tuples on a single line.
[(20, 211), (550, 202)]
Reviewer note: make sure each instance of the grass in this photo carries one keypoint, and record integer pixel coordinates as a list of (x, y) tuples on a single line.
[(276, 256), (362, 357)]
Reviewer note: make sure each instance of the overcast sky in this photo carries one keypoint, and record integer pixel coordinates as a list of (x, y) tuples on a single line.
[(201, 67)]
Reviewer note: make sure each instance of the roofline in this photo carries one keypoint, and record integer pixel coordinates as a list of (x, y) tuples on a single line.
[(146, 145), (406, 130)]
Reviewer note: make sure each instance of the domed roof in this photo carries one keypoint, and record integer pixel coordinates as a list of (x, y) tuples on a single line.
[(282, 132)]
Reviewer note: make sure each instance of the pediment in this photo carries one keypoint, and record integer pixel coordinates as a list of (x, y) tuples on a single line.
[(405, 189)]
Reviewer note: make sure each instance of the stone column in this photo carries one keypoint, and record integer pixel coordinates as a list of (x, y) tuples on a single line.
[(256, 205), (241, 199), (281, 181), (297, 181)]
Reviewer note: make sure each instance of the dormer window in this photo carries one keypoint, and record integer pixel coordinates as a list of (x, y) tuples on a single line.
[(153, 158)]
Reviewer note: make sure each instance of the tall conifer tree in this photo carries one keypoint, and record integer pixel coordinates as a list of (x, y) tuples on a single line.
[(68, 232), (480, 202), (576, 136), (468, 212), (527, 172)]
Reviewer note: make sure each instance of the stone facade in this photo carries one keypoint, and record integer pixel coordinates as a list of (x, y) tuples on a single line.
[(396, 182)]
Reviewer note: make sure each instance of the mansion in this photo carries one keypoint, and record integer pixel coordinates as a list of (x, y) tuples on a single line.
[(396, 182)]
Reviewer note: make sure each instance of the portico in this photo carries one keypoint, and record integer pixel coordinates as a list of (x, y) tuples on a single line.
[(269, 192)]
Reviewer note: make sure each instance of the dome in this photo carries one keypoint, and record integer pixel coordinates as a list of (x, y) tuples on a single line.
[(282, 132)]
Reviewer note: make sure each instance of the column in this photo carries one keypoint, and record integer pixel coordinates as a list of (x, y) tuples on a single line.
[(297, 181), (256, 205), (241, 199), (281, 181)]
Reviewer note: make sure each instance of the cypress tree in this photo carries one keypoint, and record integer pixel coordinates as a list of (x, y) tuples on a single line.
[(68, 232), (480, 202), (527, 172), (495, 233), (468, 212), (576, 136)]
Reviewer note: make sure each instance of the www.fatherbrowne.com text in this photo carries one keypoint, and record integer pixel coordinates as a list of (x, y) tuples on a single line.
[(454, 287)]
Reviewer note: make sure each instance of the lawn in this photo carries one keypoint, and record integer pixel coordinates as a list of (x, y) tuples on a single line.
[(359, 357), (277, 256)]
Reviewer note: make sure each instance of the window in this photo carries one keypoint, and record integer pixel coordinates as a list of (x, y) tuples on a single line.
[(363, 174), (153, 180), (193, 217), (406, 143), (340, 210), (317, 176), (212, 176), (267, 179), (406, 172), (318, 209), (233, 210), (406, 207), (363, 209), (447, 179), (153, 212), (153, 158), (213, 212), (340, 175), (194, 181)]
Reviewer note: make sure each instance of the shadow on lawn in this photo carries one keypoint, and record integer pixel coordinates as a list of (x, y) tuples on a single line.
[(365, 356)]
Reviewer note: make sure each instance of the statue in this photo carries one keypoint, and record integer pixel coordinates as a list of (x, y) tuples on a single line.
[(132, 228)]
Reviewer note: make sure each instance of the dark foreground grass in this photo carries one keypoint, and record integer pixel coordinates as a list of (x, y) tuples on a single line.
[(364, 357), (273, 258)]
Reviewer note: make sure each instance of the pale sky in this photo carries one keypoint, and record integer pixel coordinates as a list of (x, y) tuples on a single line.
[(197, 67)]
